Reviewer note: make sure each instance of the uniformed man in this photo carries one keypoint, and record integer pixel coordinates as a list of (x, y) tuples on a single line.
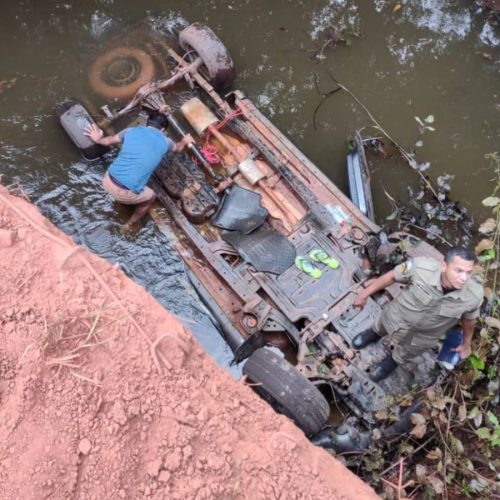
[(438, 296)]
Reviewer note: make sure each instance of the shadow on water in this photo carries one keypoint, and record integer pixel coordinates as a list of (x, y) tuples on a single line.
[(427, 57)]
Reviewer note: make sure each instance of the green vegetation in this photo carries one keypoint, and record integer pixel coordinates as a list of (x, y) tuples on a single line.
[(453, 448)]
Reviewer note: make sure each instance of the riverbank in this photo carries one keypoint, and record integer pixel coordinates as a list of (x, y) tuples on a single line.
[(103, 393)]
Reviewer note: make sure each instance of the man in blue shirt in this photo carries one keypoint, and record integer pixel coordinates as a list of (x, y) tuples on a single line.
[(142, 149)]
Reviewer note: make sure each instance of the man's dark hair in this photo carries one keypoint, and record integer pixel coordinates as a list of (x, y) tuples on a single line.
[(462, 252), (157, 120)]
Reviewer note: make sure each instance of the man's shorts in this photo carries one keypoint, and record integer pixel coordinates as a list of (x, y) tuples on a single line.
[(126, 196)]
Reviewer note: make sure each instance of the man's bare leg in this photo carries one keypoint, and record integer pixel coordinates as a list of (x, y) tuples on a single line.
[(140, 210)]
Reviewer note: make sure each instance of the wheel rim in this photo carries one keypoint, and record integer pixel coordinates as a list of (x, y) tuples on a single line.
[(120, 72)]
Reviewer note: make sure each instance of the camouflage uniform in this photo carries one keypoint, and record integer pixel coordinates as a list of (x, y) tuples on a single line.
[(421, 314)]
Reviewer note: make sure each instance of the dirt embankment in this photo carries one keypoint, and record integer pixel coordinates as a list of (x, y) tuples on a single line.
[(103, 394)]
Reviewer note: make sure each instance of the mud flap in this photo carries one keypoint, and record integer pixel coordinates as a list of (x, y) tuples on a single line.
[(265, 249), (240, 210), (245, 350)]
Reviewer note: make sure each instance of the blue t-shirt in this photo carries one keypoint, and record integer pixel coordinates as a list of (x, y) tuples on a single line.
[(141, 152)]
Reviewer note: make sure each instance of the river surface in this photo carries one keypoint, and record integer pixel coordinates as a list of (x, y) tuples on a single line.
[(401, 59)]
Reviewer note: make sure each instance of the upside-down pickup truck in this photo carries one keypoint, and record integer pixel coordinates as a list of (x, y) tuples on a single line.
[(248, 205)]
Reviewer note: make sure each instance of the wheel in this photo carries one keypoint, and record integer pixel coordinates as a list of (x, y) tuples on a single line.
[(120, 72), (287, 390), (216, 59)]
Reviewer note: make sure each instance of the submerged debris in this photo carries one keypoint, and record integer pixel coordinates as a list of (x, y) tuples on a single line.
[(332, 39), (436, 219)]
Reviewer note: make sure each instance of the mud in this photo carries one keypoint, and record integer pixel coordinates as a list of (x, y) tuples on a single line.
[(103, 394)]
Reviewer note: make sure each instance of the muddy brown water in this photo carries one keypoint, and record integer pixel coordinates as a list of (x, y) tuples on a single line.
[(427, 57)]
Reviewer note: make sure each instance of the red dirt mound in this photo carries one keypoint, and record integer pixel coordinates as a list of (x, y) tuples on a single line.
[(104, 395)]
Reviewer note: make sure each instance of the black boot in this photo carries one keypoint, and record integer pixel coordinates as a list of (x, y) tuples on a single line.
[(364, 338), (384, 368)]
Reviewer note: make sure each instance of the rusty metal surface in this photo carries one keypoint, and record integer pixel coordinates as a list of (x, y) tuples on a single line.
[(185, 181), (317, 182)]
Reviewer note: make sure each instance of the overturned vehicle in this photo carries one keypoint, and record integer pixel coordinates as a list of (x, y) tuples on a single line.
[(251, 212)]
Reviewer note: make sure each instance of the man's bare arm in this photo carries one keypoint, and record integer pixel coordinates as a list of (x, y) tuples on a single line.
[(96, 134), (466, 348), (376, 285)]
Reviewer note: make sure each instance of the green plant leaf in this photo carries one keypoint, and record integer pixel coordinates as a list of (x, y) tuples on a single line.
[(476, 362), (429, 119), (487, 255), (483, 245), (492, 418), (464, 487), (492, 371), (484, 433), (474, 412), (495, 440)]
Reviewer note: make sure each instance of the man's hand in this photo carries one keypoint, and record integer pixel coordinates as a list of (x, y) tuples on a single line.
[(376, 285), (183, 143), (165, 109), (94, 132), (187, 140), (360, 300), (464, 350)]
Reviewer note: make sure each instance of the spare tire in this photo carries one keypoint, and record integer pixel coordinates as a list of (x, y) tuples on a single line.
[(120, 72), (216, 59), (287, 390)]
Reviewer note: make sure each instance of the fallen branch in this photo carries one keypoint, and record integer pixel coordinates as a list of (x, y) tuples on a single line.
[(399, 488), (405, 154), (445, 241)]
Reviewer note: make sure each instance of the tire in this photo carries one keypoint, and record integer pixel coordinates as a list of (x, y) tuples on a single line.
[(216, 59), (120, 72), (287, 390)]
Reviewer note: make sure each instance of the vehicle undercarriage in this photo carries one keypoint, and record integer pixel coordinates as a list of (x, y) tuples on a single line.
[(246, 202)]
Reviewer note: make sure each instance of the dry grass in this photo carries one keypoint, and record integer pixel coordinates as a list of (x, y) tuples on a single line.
[(68, 339)]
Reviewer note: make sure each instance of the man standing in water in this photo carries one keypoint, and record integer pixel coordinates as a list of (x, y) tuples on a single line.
[(142, 149), (438, 296)]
